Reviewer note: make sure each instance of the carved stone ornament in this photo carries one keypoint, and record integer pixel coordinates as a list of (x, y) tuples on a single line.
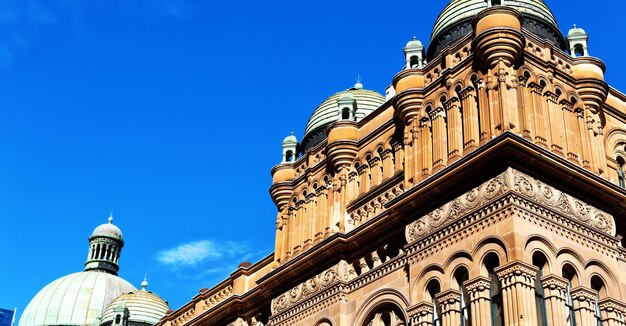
[(511, 182), (326, 279)]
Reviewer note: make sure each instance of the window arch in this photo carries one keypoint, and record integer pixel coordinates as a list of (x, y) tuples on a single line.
[(541, 262), (432, 289), (579, 50), (345, 114), (490, 263), (569, 273), (621, 166), (461, 275), (598, 284), (386, 315), (414, 62)]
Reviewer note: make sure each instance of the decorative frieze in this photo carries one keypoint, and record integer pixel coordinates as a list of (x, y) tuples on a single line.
[(326, 279), (511, 182), (374, 206)]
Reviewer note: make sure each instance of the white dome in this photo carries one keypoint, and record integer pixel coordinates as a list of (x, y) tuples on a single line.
[(75, 299), (143, 306), (107, 230)]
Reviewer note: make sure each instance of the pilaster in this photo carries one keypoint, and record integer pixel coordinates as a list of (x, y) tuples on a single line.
[(517, 280), (613, 312), (555, 293), (450, 307), (584, 300), (479, 300)]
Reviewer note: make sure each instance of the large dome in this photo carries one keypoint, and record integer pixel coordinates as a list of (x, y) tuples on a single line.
[(144, 307), (455, 21), (359, 101), (75, 299)]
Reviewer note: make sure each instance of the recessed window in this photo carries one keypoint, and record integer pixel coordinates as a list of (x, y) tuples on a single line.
[(345, 114)]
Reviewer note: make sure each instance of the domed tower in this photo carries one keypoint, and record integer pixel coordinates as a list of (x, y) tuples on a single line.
[(105, 246), (455, 21), (135, 308), (80, 298), (352, 104)]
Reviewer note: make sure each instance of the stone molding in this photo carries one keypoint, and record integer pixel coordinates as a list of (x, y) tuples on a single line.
[(613, 311), (449, 300), (511, 182), (369, 209), (584, 298), (325, 280)]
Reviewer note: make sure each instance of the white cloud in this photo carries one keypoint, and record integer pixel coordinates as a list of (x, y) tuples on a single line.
[(193, 253)]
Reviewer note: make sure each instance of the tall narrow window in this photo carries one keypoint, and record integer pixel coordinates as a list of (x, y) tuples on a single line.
[(433, 289), (620, 172), (461, 275), (540, 261), (569, 273), (492, 261), (598, 285), (288, 156)]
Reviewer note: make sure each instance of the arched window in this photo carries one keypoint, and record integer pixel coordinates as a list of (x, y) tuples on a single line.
[(579, 51), (118, 318), (569, 273), (491, 262), (414, 62), (386, 315), (432, 289), (620, 172), (541, 262), (598, 285), (460, 276), (345, 113), (496, 3), (289, 156)]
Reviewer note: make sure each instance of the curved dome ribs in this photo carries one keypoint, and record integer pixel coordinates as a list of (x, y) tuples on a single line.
[(455, 22), (352, 104)]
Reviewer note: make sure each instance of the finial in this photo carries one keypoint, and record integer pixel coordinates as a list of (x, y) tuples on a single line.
[(575, 26), (111, 218), (144, 284), (358, 84), (292, 133), (414, 38)]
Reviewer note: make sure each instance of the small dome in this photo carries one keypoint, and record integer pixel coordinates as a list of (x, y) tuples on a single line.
[(143, 306), (414, 43), (291, 139), (107, 230), (366, 101), (75, 299), (576, 31), (455, 21)]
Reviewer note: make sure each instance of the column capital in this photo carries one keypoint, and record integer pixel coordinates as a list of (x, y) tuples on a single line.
[(584, 298), (613, 311), (517, 272), (554, 286), (448, 297), (478, 287), (421, 313)]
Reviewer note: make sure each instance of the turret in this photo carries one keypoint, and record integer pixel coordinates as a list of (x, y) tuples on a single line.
[(577, 42), (498, 36), (414, 54), (105, 247), (342, 144), (290, 149)]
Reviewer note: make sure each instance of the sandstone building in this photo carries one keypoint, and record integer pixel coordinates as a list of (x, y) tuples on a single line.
[(486, 188)]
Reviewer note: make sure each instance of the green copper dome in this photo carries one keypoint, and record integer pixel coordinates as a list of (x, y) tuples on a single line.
[(455, 21), (75, 299), (357, 101)]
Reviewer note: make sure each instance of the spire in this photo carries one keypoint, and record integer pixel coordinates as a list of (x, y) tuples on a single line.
[(111, 218)]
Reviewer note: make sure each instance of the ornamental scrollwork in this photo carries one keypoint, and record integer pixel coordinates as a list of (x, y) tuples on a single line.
[(326, 279), (511, 182)]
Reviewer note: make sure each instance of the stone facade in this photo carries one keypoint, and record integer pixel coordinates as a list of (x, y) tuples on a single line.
[(485, 192)]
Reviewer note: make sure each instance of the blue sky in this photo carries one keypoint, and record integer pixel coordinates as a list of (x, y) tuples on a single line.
[(171, 114)]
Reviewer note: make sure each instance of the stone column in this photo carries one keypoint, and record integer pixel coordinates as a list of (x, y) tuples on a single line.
[(584, 139), (517, 280), (483, 106), (421, 314), (440, 136), (538, 106), (479, 300), (584, 300), (450, 307), (555, 120), (613, 312), (426, 147), (455, 129), (470, 119), (555, 293)]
